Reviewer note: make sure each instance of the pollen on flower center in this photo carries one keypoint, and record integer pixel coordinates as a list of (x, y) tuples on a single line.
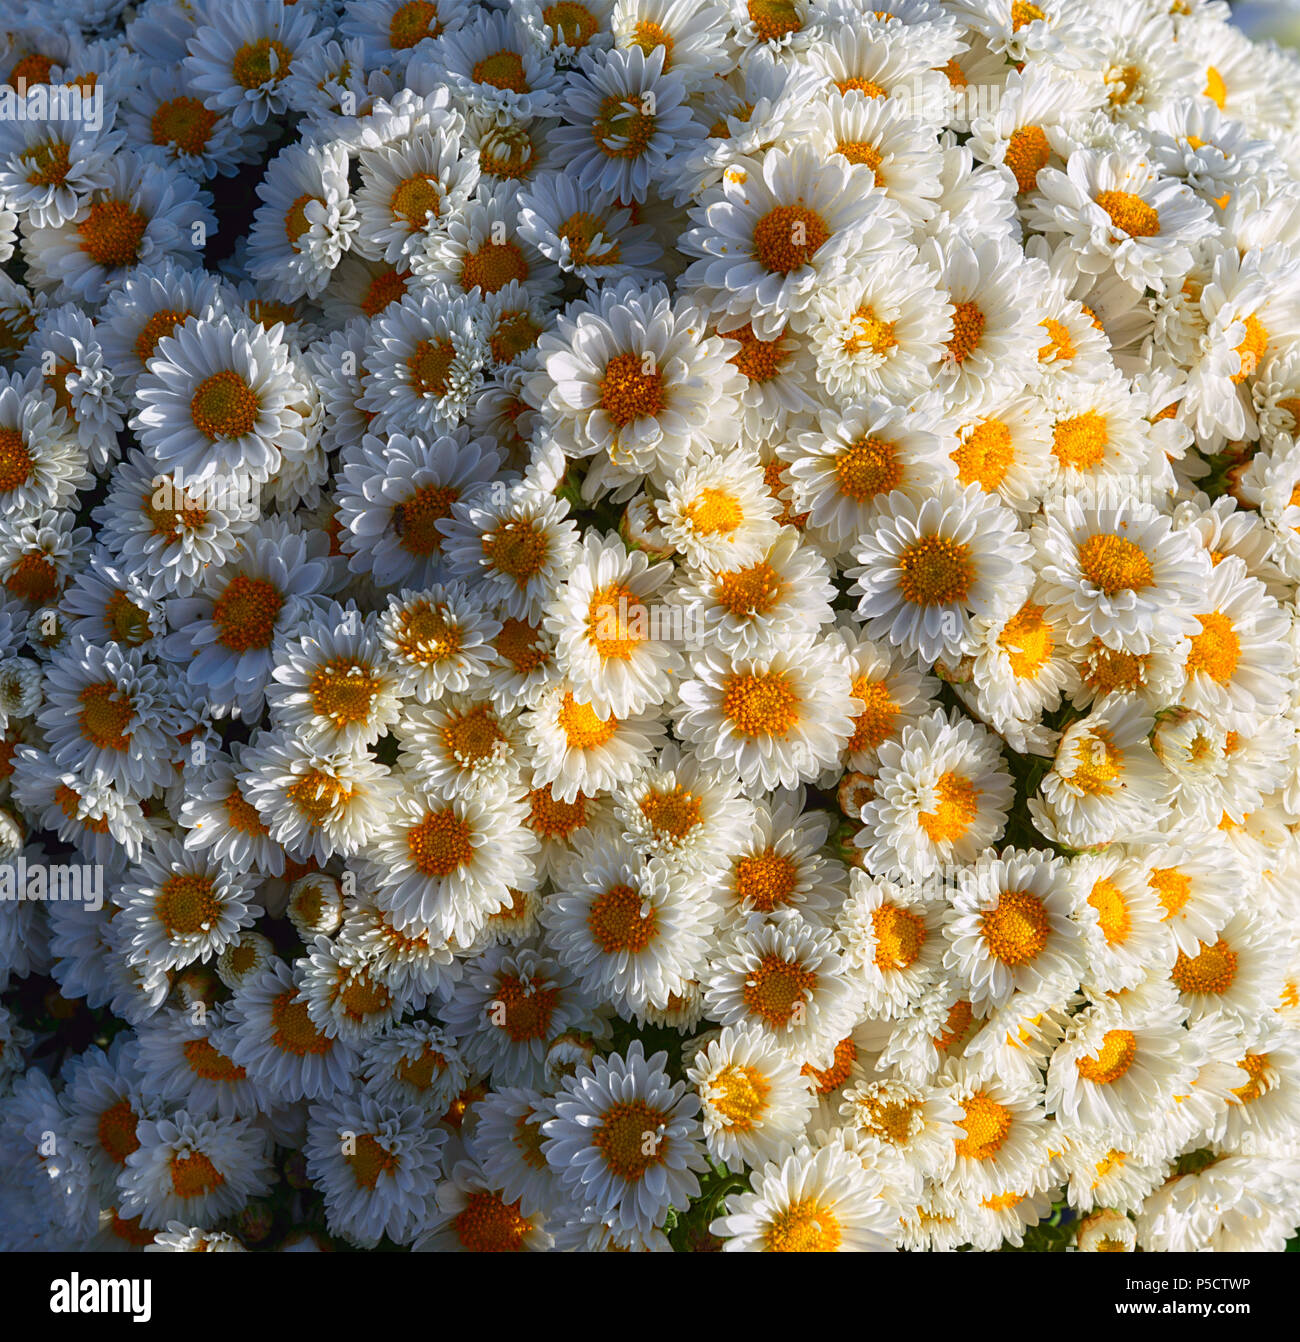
[(116, 1131), (1212, 970), (528, 1006), (1027, 154), (246, 612), (1115, 564), (161, 323), (629, 392), (1097, 764), (787, 237), (1016, 928), (935, 571), (502, 70), (1252, 349), (956, 806), (739, 1094), (224, 406), (1130, 214), (316, 795), (343, 692), (188, 905), (489, 1224), (415, 199), (582, 728), (257, 63), (869, 332), (194, 1175), (868, 88), (183, 122), (430, 367), (900, 935), (775, 986), (761, 704), (416, 519), (986, 1124), (111, 234), (1023, 14), (623, 129), (759, 360), (875, 724), (1080, 442), (105, 713), (554, 819), (616, 621), (630, 1139), (426, 635), (48, 164), (15, 460), (1114, 1058), (714, 512), (296, 222), (803, 1227), (1216, 650), (967, 331), (492, 267), (672, 814), (440, 843), (580, 230), (1113, 914), (387, 288), (573, 24), (472, 736), (210, 1063), (1027, 641), (766, 879), (1173, 889), (829, 1079), (620, 920), (773, 19), (370, 1162), (292, 1028), (984, 454), (412, 23), (861, 152), (866, 468), (1059, 345)]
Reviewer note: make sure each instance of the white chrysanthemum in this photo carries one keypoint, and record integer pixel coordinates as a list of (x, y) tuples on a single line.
[(778, 601), (584, 232), (438, 639), (494, 66), (412, 962), (41, 463), (376, 1165), (177, 906), (217, 815), (145, 213), (777, 720), (460, 746), (1121, 573), (193, 1169), (754, 1100), (624, 114), (942, 795), (787, 978), (775, 230), (843, 473), (816, 1201), (624, 1140), (1106, 1231), (332, 685), (218, 400), (415, 1063), (444, 864), (475, 1216), (1195, 887), (1010, 930), (575, 749), (1115, 212), (1116, 1072), (49, 165), (1121, 917), (1105, 782), (241, 56), (183, 1060), (424, 362), (928, 568), (1237, 976), (305, 222), (892, 941), (347, 997), (278, 1044), (719, 513), (507, 1141), (1004, 1137), (632, 930), (391, 30)]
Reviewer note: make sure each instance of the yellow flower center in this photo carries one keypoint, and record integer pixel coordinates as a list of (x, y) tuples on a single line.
[(15, 460), (759, 360), (1059, 345), (1115, 564), (1097, 763), (343, 692), (623, 129), (257, 63), (619, 920), (1130, 214), (986, 1124), (956, 806), (714, 512), (1173, 889), (1027, 641), (1027, 154), (187, 904), (473, 735), (439, 844), (629, 1139), (502, 70), (415, 199), (1252, 349), (492, 267), (552, 819), (183, 122), (613, 616), (774, 19), (416, 519), (111, 234), (1016, 928), (739, 1094), (935, 571), (866, 468), (116, 1131), (673, 814), (804, 1227), (1113, 916), (573, 24), (761, 704), (292, 1028), (767, 879), (1114, 1058), (489, 1224), (628, 392), (1215, 89), (1080, 442), (582, 729), (787, 237), (967, 331), (194, 1176), (1023, 14), (899, 934), (1216, 650), (224, 406), (775, 986), (875, 724), (1211, 971), (984, 454), (860, 151)]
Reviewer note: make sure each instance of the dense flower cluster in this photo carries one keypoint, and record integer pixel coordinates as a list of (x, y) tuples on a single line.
[(686, 638)]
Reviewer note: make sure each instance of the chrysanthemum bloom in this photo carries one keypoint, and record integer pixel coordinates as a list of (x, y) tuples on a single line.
[(777, 721), (625, 1141), (41, 463), (184, 1061), (443, 864), (475, 1216), (942, 795), (893, 941), (218, 400), (377, 1167), (1235, 977), (1106, 1231), (415, 1063), (438, 639), (816, 1201), (198, 1169)]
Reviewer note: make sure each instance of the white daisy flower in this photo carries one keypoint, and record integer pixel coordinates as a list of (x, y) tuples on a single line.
[(892, 941), (50, 165), (785, 977), (778, 370), (1121, 916), (240, 58), (1194, 886), (754, 1102), (776, 721), (460, 746), (624, 1140), (630, 929), (438, 639), (412, 962), (507, 1142), (332, 684), (215, 814), (625, 112), (42, 465), (494, 65), (1023, 665), (183, 1060), (822, 1201), (1003, 1136), (377, 1167), (1236, 977), (195, 1169), (942, 795), (145, 213), (719, 514), (476, 1217), (390, 30), (776, 230), (415, 1063)]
